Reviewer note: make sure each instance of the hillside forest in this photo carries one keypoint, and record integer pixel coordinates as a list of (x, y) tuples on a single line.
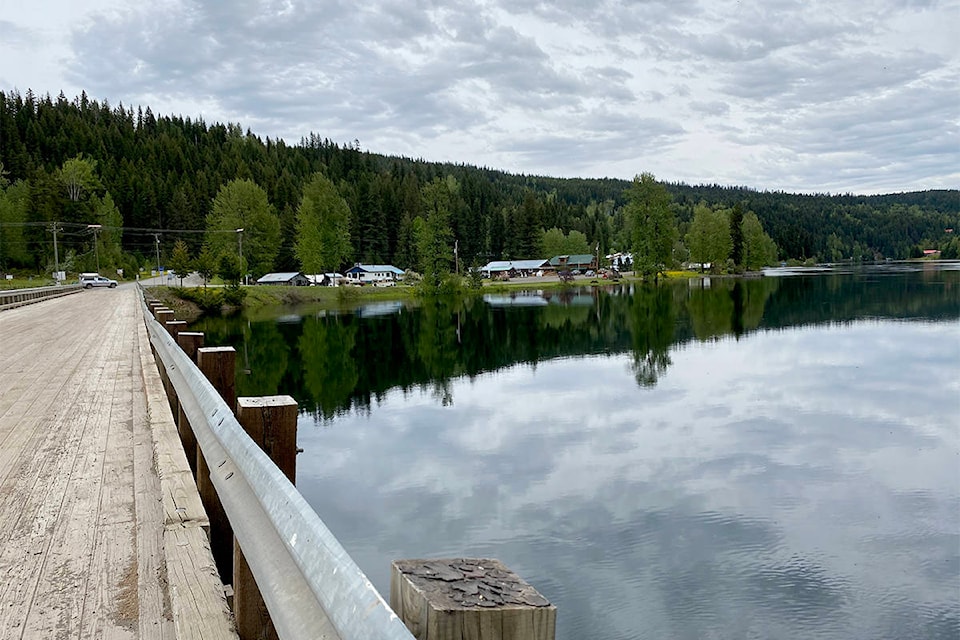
[(120, 188)]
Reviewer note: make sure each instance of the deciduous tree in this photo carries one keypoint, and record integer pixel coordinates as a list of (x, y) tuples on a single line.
[(652, 225), (242, 204), (323, 227)]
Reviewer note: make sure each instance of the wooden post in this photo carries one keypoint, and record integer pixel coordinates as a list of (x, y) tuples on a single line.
[(164, 316), (218, 365), (472, 598), (157, 309), (190, 341), (174, 327), (271, 422)]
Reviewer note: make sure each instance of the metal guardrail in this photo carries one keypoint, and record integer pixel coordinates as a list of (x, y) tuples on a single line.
[(311, 586), (13, 298)]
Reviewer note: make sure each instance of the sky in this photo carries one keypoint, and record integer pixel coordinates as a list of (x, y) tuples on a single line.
[(809, 96)]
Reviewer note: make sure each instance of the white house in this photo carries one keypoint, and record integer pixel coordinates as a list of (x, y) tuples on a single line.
[(377, 274), (325, 279)]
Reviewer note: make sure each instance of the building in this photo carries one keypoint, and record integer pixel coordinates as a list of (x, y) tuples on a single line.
[(326, 279), (581, 262), (288, 279), (514, 268), (376, 274)]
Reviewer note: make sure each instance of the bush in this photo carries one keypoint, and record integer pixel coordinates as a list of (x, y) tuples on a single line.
[(206, 299), (234, 295)]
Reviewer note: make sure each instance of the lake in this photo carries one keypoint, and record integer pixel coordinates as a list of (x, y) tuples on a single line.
[(775, 457)]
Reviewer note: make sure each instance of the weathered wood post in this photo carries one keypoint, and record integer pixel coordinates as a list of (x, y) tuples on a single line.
[(163, 315), (480, 599), (190, 341), (271, 422), (174, 327), (218, 365)]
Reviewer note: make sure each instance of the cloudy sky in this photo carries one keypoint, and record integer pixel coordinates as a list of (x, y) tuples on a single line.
[(842, 96)]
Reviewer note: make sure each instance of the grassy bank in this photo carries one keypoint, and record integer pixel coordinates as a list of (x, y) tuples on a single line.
[(264, 297)]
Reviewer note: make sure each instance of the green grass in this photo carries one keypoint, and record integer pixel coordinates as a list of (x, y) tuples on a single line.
[(27, 283)]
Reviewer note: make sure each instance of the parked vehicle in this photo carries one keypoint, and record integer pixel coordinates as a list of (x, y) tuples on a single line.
[(90, 280)]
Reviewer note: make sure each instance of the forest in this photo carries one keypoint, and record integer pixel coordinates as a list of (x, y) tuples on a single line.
[(118, 187)]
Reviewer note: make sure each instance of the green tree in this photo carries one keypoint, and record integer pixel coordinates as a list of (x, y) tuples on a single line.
[(653, 229), (709, 237), (110, 235), (323, 227), (759, 249), (180, 262), (736, 236), (242, 204), (205, 264), (79, 177), (14, 200), (555, 242), (228, 267), (433, 233)]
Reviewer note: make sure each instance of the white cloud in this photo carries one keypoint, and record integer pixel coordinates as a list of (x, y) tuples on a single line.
[(806, 96)]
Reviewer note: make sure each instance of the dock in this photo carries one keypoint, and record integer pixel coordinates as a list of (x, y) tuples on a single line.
[(100, 537)]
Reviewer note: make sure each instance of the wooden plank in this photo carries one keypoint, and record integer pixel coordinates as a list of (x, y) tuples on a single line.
[(181, 502), (84, 547), (155, 618), (199, 608)]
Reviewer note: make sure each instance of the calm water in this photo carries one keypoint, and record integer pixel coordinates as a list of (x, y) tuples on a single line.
[(771, 458)]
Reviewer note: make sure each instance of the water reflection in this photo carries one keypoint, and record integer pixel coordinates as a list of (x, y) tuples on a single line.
[(332, 362), (773, 458), (743, 496)]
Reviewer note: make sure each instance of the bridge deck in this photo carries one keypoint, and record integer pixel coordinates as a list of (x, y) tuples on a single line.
[(82, 527)]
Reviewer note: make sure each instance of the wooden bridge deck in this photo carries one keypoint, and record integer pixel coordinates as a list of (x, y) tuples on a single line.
[(88, 548)]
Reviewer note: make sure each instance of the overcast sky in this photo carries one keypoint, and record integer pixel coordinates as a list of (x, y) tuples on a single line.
[(835, 96)]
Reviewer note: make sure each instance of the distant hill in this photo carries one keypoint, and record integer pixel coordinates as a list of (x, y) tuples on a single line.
[(163, 172)]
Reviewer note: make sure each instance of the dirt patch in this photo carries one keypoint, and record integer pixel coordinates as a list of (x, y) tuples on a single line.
[(128, 604)]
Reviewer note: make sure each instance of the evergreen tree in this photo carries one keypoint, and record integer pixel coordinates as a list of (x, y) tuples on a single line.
[(736, 236), (434, 236), (180, 262)]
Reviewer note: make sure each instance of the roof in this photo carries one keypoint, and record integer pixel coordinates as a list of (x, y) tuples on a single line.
[(279, 277), (506, 265), (375, 268), (580, 258)]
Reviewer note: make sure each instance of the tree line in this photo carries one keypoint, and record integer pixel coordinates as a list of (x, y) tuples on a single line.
[(121, 186)]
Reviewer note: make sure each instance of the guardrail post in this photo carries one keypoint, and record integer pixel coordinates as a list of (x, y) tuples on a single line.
[(174, 327), (190, 341), (218, 365), (477, 598), (271, 422)]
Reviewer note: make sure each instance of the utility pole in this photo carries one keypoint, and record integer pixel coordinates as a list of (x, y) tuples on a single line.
[(156, 237), (96, 249), (243, 275), (56, 255)]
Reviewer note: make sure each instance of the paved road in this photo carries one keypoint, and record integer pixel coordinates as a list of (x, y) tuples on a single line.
[(81, 521)]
